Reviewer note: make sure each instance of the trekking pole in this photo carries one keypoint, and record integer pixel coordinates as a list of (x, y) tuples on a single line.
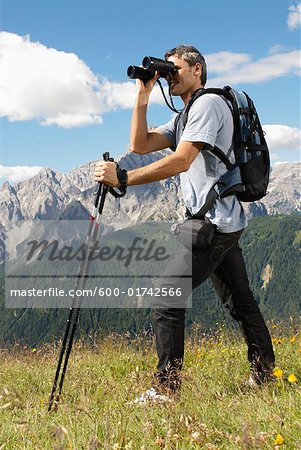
[(74, 310)]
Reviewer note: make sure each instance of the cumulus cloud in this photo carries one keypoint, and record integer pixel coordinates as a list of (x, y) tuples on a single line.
[(122, 95), (280, 137), (294, 16), (221, 62), (14, 174), (55, 87), (58, 88), (72, 120), (245, 70), (39, 82), (279, 48)]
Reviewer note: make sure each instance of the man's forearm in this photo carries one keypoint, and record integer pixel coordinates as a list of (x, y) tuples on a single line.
[(159, 170), (180, 161), (139, 130)]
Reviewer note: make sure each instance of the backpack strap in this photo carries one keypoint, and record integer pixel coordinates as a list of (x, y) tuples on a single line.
[(228, 184), (185, 111), (213, 193), (221, 155), (218, 91), (198, 93), (177, 119), (212, 196)]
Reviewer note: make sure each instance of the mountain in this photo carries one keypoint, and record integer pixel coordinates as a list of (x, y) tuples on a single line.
[(51, 195), (284, 189)]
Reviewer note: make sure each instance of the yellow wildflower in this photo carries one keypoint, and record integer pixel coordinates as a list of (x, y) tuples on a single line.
[(279, 439), (291, 378), (278, 373), (33, 350), (277, 341), (293, 339)]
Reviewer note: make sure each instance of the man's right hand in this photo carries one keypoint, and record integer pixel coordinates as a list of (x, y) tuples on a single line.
[(142, 140)]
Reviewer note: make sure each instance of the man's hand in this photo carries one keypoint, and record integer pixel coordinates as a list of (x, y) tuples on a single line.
[(146, 88), (105, 172)]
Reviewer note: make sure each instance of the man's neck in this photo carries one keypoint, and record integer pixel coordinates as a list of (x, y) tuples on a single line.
[(187, 95)]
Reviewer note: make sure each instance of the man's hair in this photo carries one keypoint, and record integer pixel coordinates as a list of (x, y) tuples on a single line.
[(192, 56)]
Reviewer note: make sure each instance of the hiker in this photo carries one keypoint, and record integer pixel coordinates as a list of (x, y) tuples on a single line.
[(209, 124)]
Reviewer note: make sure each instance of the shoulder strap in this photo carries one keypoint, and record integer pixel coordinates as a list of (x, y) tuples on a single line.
[(221, 155), (177, 121), (194, 96), (218, 91)]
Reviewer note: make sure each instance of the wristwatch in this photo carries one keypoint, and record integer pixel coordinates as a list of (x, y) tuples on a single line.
[(122, 176)]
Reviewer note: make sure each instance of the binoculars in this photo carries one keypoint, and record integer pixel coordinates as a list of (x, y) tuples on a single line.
[(151, 65)]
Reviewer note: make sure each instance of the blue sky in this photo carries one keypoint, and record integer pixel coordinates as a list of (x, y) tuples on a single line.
[(64, 94)]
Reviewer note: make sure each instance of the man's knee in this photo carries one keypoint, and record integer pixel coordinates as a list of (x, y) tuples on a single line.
[(175, 315)]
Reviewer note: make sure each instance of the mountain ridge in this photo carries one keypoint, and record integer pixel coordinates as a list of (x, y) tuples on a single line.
[(46, 195)]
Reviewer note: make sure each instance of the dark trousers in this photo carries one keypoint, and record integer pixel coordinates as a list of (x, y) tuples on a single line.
[(224, 264)]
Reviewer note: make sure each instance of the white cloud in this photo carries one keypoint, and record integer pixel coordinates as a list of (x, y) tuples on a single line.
[(294, 16), (222, 62), (56, 87), (14, 174), (39, 82), (264, 69), (278, 48), (280, 137), (122, 95), (72, 120)]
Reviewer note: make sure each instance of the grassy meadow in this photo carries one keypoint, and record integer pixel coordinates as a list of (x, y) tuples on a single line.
[(216, 410)]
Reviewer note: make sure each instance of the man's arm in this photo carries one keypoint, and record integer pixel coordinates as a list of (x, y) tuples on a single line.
[(143, 141), (169, 166)]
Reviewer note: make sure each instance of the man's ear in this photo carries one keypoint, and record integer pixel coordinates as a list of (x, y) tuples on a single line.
[(198, 68)]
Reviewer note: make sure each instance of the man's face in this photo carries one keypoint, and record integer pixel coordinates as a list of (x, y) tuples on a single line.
[(187, 78)]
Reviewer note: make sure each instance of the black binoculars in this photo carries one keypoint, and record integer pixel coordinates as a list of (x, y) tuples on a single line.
[(151, 65)]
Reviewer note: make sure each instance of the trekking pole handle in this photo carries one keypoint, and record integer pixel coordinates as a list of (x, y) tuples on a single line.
[(116, 192), (106, 157)]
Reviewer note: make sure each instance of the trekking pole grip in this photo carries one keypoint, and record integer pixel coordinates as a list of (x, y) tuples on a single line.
[(99, 187)]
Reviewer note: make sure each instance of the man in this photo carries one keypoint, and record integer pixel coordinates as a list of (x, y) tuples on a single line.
[(209, 124)]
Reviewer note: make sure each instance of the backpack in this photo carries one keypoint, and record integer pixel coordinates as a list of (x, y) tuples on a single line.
[(248, 176)]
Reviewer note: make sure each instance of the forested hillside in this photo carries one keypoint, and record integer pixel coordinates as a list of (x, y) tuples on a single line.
[(271, 246)]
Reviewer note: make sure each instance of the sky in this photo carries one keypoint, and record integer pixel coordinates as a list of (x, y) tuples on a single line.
[(64, 93)]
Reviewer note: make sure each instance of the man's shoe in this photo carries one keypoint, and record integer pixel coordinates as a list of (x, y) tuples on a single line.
[(257, 379), (152, 396), (252, 382)]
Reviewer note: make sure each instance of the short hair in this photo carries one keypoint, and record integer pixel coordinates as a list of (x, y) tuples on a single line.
[(191, 55)]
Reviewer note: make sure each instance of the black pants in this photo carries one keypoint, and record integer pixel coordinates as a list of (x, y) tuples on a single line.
[(224, 264)]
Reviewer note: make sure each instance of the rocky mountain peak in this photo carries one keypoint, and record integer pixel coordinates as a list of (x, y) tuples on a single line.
[(51, 195)]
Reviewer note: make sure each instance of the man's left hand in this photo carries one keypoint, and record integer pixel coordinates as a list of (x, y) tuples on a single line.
[(105, 172)]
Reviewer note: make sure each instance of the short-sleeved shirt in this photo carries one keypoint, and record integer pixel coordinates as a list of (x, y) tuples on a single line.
[(210, 122)]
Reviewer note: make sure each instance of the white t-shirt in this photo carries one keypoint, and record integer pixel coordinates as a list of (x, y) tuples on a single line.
[(209, 121)]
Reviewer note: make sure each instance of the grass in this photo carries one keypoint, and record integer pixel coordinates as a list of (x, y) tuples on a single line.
[(215, 411)]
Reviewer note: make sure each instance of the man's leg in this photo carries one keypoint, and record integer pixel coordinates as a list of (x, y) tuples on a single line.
[(231, 284), (169, 327), (169, 322)]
